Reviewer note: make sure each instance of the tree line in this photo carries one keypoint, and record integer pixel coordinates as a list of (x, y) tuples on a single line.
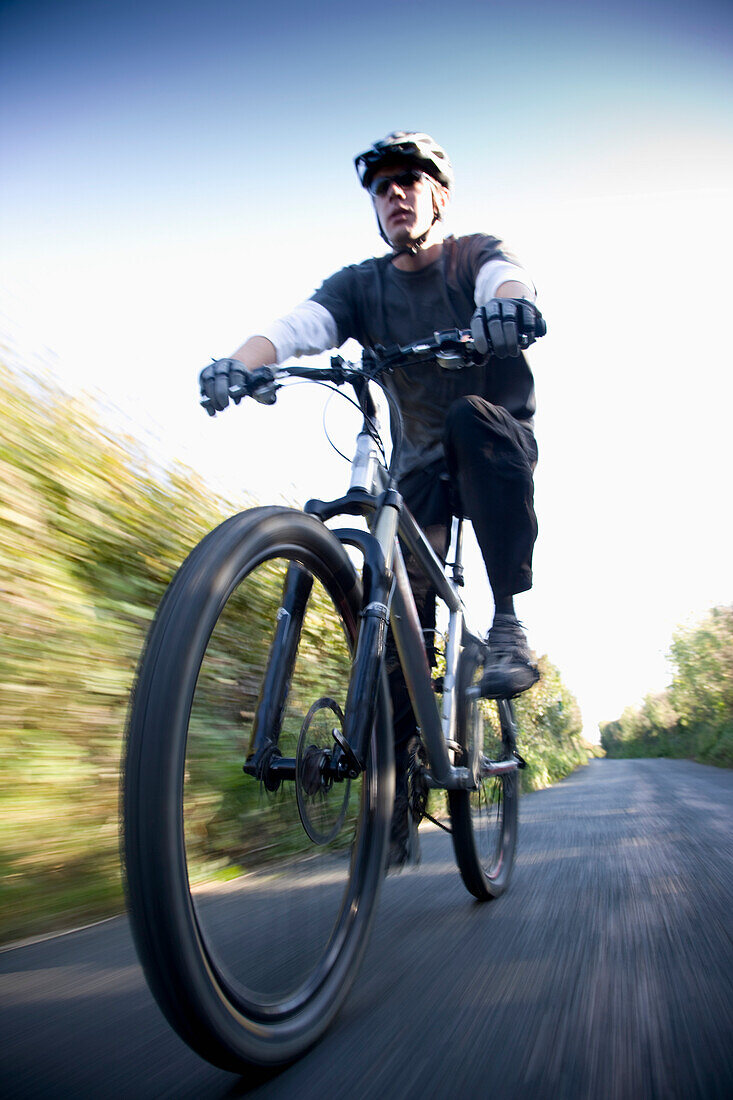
[(91, 532), (693, 718)]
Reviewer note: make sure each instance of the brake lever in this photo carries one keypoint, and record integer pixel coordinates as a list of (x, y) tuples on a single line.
[(340, 374)]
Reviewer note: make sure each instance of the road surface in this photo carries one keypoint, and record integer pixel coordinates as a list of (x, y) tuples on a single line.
[(605, 971)]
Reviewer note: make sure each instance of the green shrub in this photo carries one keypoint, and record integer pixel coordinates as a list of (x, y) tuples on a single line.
[(551, 728), (693, 718)]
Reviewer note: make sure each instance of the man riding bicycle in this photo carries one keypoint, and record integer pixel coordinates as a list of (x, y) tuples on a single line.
[(469, 442)]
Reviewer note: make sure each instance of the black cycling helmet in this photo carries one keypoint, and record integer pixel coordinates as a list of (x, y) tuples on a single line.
[(417, 149)]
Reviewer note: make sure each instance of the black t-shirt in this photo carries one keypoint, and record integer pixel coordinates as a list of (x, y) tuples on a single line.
[(376, 303)]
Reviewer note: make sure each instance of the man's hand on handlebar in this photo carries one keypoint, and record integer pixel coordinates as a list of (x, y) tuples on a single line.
[(506, 326), (228, 378)]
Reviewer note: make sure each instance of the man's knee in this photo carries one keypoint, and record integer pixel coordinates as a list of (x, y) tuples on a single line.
[(478, 432), (473, 423), (464, 414)]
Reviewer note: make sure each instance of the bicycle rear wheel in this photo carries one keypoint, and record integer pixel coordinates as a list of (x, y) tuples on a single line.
[(484, 820), (251, 907)]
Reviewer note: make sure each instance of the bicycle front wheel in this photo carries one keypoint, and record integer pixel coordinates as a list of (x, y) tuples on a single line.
[(484, 820), (251, 900)]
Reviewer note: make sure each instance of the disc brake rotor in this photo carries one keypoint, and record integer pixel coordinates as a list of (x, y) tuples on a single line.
[(322, 803)]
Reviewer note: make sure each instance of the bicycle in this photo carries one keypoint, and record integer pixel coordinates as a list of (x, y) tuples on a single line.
[(254, 864)]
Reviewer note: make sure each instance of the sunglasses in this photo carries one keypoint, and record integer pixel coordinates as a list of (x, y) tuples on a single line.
[(404, 180)]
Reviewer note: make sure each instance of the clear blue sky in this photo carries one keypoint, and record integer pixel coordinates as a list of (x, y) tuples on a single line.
[(175, 175)]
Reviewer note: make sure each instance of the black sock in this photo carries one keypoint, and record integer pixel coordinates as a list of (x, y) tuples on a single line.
[(504, 605)]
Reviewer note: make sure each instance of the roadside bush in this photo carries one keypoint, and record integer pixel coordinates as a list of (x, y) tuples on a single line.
[(693, 718)]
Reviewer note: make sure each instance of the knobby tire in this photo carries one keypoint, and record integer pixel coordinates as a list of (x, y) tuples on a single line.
[(484, 821), (250, 934)]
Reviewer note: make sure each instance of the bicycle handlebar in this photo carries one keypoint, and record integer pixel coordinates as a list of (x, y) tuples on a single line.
[(453, 349)]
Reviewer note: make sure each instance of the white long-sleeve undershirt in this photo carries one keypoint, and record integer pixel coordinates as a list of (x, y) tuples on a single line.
[(309, 328)]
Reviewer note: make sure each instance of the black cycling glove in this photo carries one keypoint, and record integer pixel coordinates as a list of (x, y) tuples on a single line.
[(227, 378), (505, 326)]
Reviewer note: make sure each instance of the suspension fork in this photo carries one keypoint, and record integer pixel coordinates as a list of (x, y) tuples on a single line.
[(280, 664), (378, 580), (264, 760)]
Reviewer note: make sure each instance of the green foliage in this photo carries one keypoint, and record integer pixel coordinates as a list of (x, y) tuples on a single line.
[(551, 729), (693, 718), (90, 537)]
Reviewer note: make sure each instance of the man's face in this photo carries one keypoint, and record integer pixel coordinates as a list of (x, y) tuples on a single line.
[(405, 211)]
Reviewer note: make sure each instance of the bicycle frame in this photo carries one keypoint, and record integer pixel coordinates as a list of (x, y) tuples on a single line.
[(387, 599)]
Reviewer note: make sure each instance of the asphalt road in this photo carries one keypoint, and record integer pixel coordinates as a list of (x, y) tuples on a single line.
[(605, 971)]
